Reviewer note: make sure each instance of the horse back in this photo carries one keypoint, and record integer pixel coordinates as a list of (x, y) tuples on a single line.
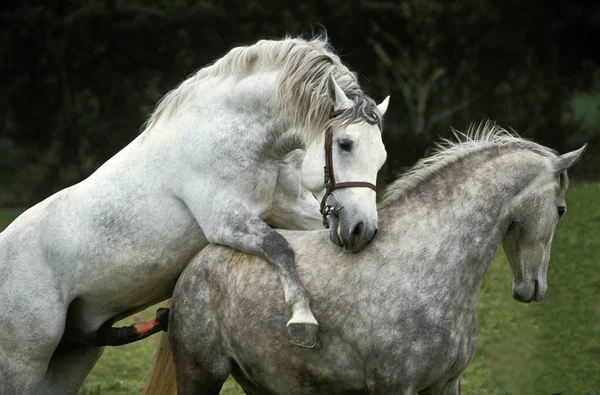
[(228, 304)]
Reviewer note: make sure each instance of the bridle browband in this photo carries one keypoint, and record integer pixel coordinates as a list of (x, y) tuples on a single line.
[(329, 176)]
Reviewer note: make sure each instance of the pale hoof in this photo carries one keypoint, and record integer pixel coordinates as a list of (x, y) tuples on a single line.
[(304, 335)]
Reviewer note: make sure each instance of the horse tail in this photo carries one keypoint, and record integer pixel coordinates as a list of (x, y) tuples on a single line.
[(161, 380)]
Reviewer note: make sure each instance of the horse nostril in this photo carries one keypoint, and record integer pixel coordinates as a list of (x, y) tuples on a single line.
[(357, 231), (375, 233)]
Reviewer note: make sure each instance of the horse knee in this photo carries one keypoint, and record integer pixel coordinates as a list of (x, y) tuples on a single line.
[(277, 249)]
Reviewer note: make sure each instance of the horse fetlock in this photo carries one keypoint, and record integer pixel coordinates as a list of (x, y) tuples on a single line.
[(304, 335)]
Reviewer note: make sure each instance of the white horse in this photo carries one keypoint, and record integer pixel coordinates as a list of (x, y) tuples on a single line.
[(203, 171)]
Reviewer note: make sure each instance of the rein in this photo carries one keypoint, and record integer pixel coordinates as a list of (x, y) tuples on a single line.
[(329, 177)]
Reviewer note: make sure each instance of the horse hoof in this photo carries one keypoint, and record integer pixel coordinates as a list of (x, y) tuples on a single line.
[(304, 335)]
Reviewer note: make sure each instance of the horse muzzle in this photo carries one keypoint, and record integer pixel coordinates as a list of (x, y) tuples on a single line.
[(529, 291), (352, 237)]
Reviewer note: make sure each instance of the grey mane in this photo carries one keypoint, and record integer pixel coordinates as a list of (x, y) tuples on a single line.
[(478, 138), (301, 88)]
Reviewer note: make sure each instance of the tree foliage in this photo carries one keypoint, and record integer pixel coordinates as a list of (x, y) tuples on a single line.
[(78, 78)]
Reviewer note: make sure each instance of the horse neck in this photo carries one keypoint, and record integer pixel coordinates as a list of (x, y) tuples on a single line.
[(456, 219), (242, 105)]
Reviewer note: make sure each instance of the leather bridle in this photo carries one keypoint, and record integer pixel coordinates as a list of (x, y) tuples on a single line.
[(329, 177)]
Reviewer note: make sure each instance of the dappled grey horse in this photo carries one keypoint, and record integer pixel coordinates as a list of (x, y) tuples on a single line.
[(205, 170), (397, 318)]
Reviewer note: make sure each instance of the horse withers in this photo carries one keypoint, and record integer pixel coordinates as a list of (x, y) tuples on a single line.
[(399, 317), (204, 170)]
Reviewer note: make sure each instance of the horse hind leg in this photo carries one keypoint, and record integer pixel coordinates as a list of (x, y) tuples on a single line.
[(248, 387), (201, 364), (69, 366), (21, 372), (199, 373), (32, 322)]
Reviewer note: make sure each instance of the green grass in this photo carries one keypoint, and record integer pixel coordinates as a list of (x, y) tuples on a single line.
[(552, 346), (122, 370), (539, 348)]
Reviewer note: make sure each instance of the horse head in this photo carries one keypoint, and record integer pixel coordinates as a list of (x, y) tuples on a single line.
[(352, 150), (535, 215)]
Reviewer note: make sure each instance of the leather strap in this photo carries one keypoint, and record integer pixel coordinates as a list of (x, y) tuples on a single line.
[(329, 175), (355, 184)]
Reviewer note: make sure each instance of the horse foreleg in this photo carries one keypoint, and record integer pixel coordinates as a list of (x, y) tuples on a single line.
[(302, 326), (109, 336), (237, 228)]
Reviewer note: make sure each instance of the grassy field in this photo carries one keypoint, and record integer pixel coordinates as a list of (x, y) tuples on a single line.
[(541, 348)]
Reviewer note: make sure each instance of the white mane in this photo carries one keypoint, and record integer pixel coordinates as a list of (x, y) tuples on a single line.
[(478, 138), (302, 83)]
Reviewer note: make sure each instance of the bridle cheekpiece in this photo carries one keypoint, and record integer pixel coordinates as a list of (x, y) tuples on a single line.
[(329, 177)]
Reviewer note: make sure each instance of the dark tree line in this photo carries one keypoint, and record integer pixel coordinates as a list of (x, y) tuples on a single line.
[(78, 78)]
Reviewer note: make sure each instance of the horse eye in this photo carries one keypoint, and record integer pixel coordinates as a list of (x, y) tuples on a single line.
[(345, 144), (561, 211)]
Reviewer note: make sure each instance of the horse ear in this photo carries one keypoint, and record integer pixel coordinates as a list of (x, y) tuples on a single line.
[(383, 105), (567, 160), (336, 94)]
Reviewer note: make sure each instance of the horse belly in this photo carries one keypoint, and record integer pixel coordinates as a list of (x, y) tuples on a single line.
[(331, 370), (142, 275), (127, 290), (122, 259)]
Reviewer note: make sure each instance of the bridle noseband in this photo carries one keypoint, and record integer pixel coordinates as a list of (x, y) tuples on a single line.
[(329, 177)]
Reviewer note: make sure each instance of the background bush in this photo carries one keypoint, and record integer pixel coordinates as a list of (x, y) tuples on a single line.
[(78, 78)]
